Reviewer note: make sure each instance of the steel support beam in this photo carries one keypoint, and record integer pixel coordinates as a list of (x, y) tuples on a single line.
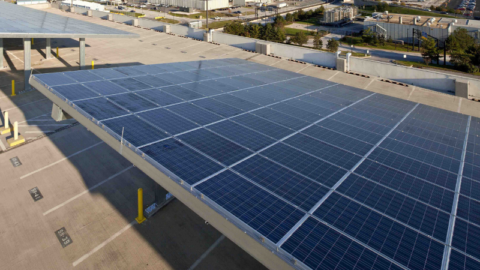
[(48, 49), (82, 53), (27, 60)]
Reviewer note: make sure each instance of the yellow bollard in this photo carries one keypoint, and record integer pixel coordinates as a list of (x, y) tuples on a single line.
[(33, 42), (17, 139), (57, 52), (93, 64), (140, 217), (13, 88)]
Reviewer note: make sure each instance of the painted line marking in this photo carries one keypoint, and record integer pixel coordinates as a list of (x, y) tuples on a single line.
[(459, 104), (205, 254), (34, 118), (44, 131), (411, 92), (369, 84), (16, 107), (333, 76), (47, 125), (97, 248), (58, 161), (86, 191), (2, 146)]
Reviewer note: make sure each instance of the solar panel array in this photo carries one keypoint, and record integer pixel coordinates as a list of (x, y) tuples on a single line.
[(17, 21), (325, 175)]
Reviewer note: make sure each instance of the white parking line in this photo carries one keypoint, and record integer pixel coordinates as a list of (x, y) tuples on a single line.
[(97, 248), (42, 131), (34, 118), (205, 254), (16, 107), (86, 191), (58, 161)]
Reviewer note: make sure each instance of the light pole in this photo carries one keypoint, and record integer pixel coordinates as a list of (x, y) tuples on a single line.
[(206, 27)]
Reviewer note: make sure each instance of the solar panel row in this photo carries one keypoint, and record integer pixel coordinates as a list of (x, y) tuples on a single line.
[(335, 176)]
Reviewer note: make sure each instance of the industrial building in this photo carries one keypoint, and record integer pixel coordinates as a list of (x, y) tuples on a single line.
[(196, 4), (401, 26), (339, 15)]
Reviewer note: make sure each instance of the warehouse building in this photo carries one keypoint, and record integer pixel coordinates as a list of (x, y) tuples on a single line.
[(339, 15), (196, 4)]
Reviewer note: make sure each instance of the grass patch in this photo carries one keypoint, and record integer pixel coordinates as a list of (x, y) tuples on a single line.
[(171, 21), (433, 66), (356, 54), (310, 21), (127, 13), (292, 32), (403, 10), (357, 41), (216, 24)]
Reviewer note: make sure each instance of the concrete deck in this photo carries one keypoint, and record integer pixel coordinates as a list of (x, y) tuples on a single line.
[(90, 190)]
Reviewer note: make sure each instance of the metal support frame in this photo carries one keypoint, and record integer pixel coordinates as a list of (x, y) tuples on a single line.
[(27, 60), (82, 53), (162, 198), (48, 49)]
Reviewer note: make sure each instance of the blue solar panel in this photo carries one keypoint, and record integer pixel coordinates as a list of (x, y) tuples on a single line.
[(131, 84), (241, 135), (305, 164), (298, 190), (416, 188), (320, 247), (168, 121), (397, 206), (75, 91), (327, 176), (215, 146), (83, 76), (105, 88), (466, 238), (159, 97), (101, 108), (265, 213), (135, 131), (132, 102), (181, 160), (458, 261), (383, 234)]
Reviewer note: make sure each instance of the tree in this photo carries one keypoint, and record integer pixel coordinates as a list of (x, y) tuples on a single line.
[(279, 35), (317, 41), (432, 7), (279, 21), (368, 35), (332, 45), (301, 14), (268, 32), (300, 38), (234, 28), (381, 40), (429, 50), (459, 41), (295, 16), (289, 18), (255, 30)]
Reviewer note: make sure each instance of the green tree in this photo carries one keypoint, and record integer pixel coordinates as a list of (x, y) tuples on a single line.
[(332, 45), (279, 21), (255, 30), (300, 38), (459, 41), (432, 7), (234, 28), (381, 40), (309, 14), (295, 16), (289, 18), (301, 14), (317, 41), (429, 50), (279, 35), (268, 32), (368, 35)]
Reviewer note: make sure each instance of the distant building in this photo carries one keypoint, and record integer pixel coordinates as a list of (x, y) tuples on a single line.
[(339, 15), (196, 4)]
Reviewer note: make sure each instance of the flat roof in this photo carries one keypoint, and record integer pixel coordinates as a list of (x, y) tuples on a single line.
[(22, 22)]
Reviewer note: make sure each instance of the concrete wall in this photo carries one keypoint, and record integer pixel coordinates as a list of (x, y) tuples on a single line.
[(283, 50), (424, 78)]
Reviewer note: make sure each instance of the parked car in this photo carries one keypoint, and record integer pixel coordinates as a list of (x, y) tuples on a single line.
[(216, 18), (427, 9)]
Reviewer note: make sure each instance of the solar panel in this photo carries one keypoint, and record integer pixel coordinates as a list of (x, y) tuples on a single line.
[(329, 176)]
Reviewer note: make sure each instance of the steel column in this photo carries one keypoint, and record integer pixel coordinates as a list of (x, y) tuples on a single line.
[(27, 48), (48, 49), (82, 53)]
